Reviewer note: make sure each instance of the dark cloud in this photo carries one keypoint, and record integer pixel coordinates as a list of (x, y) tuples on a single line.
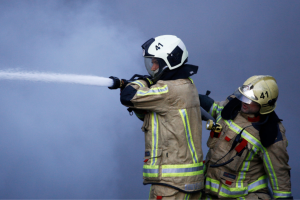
[(70, 141)]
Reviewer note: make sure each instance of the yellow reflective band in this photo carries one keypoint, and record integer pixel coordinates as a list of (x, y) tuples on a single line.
[(247, 136), (241, 198), (150, 192), (281, 194), (187, 196), (191, 80), (153, 91), (226, 191), (245, 167), (219, 118), (139, 83), (150, 170), (182, 170), (149, 80), (212, 184), (216, 108), (262, 182), (183, 166), (200, 195), (207, 197), (188, 133), (154, 137), (182, 174)]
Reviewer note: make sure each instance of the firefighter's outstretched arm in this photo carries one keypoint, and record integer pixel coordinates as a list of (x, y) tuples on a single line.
[(139, 96), (213, 108)]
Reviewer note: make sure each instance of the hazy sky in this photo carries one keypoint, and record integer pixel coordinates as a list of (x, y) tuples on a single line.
[(72, 141)]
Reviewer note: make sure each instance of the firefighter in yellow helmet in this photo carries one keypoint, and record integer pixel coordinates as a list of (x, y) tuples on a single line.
[(251, 147)]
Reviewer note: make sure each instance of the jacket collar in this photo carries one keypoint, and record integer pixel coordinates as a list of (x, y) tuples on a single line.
[(182, 72), (250, 117)]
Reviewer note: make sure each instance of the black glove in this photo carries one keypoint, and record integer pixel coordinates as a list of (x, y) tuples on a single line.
[(118, 83)]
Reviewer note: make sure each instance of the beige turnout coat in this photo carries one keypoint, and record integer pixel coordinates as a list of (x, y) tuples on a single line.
[(172, 127), (249, 172)]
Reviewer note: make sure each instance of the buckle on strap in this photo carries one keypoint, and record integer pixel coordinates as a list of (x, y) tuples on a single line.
[(214, 134)]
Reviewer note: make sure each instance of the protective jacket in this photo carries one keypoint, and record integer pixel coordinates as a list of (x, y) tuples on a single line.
[(253, 163), (173, 132)]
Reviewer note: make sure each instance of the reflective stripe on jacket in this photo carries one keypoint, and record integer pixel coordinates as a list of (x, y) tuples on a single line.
[(173, 132), (250, 171)]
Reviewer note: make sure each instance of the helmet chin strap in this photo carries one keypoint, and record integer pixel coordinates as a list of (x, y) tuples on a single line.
[(158, 74), (155, 72)]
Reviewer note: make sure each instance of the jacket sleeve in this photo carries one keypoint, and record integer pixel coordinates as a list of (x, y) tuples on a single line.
[(137, 95), (275, 160), (216, 108)]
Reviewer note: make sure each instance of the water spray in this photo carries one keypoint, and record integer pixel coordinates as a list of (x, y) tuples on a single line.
[(111, 82), (54, 77)]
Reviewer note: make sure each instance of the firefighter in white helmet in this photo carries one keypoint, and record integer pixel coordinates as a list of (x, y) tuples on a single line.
[(251, 148), (168, 104)]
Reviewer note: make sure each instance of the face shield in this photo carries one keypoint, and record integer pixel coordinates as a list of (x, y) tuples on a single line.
[(245, 89), (152, 62), (148, 65), (241, 97)]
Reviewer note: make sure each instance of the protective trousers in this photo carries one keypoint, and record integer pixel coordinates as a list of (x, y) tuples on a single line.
[(168, 193)]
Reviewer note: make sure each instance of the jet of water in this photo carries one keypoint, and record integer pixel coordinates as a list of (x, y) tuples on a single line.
[(54, 77)]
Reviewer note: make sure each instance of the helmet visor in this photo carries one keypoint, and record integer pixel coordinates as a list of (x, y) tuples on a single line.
[(148, 65), (245, 89), (241, 97)]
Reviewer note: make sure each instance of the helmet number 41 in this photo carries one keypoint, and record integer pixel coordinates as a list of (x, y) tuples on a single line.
[(157, 46), (262, 96)]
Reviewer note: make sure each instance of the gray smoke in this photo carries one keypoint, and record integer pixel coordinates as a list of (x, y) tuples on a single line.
[(73, 141), (66, 140)]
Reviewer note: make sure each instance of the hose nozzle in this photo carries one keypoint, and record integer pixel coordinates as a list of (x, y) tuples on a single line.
[(118, 83)]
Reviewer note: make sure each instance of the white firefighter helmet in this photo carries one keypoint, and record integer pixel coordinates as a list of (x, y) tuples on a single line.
[(261, 89), (168, 50)]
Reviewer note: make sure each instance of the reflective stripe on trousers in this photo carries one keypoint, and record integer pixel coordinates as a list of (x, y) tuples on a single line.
[(207, 197), (247, 136), (187, 196)]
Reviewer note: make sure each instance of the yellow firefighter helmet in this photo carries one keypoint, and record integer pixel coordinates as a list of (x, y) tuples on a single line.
[(261, 89)]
